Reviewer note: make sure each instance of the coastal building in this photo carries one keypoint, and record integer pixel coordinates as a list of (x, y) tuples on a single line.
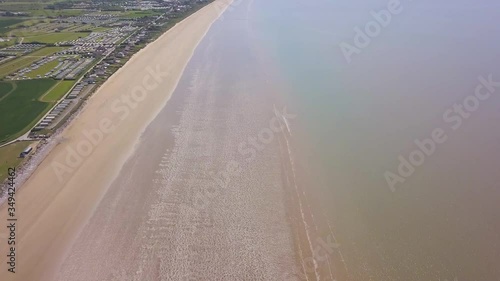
[(26, 152)]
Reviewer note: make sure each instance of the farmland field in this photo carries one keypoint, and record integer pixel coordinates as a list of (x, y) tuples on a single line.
[(25, 24), (21, 109), (100, 29), (6, 22), (56, 13), (139, 14), (25, 6), (7, 43), (18, 63), (58, 91), (43, 69), (46, 51), (52, 38), (5, 89)]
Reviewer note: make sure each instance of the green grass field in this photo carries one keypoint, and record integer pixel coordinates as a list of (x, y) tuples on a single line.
[(21, 6), (138, 14), (21, 109), (25, 24), (43, 69), (100, 29), (46, 51), (7, 43), (10, 157), (51, 38), (6, 23), (56, 13), (5, 89), (58, 91), (27, 60)]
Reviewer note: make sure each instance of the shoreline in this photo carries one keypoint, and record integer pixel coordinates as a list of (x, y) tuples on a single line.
[(57, 200), (45, 146), (148, 204)]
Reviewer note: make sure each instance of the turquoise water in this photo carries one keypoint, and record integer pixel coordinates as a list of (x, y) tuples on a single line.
[(356, 118)]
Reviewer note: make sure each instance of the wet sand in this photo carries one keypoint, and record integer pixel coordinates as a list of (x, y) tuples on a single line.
[(194, 201), (56, 202), (187, 205)]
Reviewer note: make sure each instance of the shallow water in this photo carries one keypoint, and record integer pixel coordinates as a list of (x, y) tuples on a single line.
[(177, 212), (357, 118), (196, 201)]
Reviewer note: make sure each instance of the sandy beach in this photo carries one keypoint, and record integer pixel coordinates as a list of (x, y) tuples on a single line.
[(195, 200), (55, 203)]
